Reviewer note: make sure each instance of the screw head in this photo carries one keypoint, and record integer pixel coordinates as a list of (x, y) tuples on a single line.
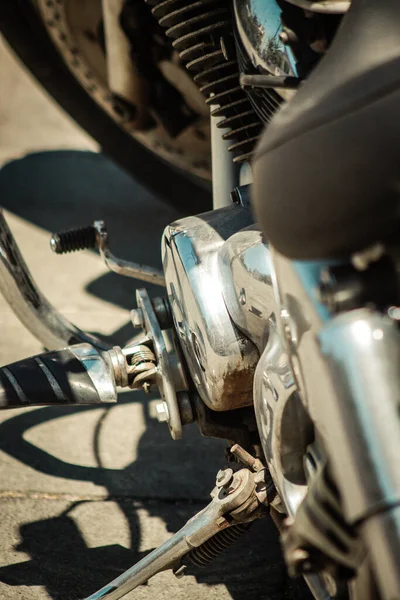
[(224, 477), (137, 318), (55, 243), (162, 412)]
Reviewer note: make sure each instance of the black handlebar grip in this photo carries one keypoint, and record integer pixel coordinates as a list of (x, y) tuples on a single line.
[(76, 375)]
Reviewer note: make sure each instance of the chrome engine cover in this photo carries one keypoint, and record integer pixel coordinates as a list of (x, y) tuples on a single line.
[(259, 24), (221, 358), (245, 267)]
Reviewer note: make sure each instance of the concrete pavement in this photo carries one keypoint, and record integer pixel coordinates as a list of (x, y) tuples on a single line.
[(85, 492)]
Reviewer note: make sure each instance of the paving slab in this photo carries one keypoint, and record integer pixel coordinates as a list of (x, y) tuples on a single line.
[(29, 119), (69, 546)]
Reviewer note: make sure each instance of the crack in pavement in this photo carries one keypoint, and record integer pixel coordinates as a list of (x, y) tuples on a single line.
[(32, 495)]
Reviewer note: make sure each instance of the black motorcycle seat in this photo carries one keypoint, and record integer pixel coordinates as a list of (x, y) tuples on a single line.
[(327, 168)]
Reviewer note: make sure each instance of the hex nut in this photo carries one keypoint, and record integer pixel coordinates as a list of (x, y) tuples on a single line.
[(137, 318), (224, 477), (162, 412)]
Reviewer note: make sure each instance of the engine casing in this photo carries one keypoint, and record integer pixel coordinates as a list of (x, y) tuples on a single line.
[(220, 357)]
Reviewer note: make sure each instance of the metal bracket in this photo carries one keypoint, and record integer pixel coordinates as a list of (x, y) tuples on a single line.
[(164, 373)]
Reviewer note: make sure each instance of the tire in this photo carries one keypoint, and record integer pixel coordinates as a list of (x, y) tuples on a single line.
[(23, 29)]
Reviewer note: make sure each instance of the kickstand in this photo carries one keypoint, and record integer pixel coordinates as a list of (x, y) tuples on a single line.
[(238, 498)]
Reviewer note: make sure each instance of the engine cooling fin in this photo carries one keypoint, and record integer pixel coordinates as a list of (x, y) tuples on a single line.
[(319, 537), (202, 33)]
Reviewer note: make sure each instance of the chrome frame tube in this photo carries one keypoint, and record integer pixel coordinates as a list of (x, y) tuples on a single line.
[(30, 306)]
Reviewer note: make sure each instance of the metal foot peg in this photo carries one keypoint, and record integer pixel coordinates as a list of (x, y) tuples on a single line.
[(236, 500), (79, 374)]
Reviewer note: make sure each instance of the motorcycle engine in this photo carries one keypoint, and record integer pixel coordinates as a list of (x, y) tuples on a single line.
[(221, 360), (219, 283), (218, 45), (202, 33)]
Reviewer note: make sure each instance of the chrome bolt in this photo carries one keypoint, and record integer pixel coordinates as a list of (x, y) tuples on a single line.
[(137, 318), (162, 412), (54, 244), (300, 562), (224, 477)]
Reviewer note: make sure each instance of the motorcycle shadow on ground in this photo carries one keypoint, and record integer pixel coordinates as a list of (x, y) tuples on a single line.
[(65, 189), (61, 561), (168, 480)]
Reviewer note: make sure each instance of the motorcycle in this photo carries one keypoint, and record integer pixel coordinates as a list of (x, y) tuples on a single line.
[(280, 337)]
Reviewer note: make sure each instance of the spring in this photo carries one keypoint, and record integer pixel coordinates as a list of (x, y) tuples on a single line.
[(142, 354), (73, 240), (204, 554), (201, 31)]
